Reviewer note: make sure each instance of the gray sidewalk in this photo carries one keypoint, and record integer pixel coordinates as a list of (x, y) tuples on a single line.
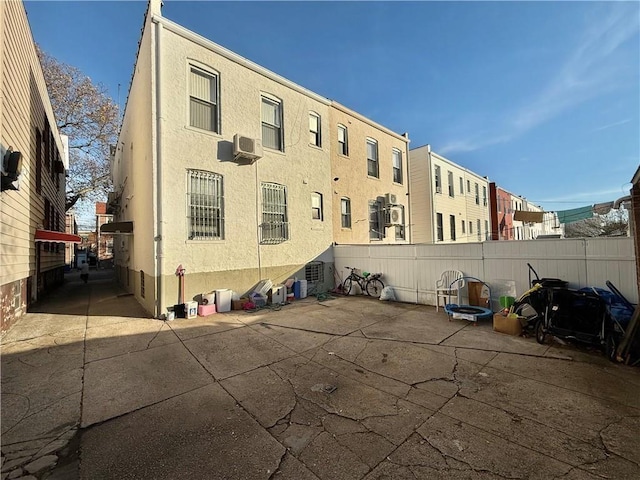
[(349, 388)]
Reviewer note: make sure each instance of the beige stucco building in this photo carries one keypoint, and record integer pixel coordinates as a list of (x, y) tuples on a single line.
[(370, 181), (449, 203), (222, 167), (32, 204)]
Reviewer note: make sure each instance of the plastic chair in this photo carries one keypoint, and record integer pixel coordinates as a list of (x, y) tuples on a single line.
[(450, 283)]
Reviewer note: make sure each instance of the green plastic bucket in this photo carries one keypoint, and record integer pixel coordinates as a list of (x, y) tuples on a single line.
[(506, 301)]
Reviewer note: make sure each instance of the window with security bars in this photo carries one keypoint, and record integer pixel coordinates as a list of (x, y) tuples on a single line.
[(343, 142), (272, 124), (345, 206), (205, 203), (372, 158), (203, 100), (315, 137), (314, 272), (274, 228), (375, 221), (397, 166)]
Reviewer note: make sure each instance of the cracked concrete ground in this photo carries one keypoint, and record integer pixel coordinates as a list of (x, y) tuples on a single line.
[(349, 388)]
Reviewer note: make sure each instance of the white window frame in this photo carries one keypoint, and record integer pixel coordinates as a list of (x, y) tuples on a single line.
[(212, 103), (477, 194), (401, 229), (274, 228), (437, 174), (452, 227), (376, 220), (372, 162), (398, 176), (17, 295), (484, 195), (451, 186), (345, 212), (317, 212), (315, 129), (343, 143), (205, 207), (276, 126)]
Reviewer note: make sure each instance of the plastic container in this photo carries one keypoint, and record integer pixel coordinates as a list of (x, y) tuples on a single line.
[(204, 310), (303, 288), (263, 287), (223, 300), (296, 289), (278, 294), (209, 298), (192, 309)]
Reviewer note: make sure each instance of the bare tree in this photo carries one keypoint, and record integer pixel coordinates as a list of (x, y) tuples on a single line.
[(89, 117), (613, 224)]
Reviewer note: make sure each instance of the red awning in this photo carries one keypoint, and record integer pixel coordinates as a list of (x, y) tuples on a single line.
[(56, 237)]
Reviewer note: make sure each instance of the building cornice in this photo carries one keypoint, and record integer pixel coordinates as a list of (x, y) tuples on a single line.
[(234, 57)]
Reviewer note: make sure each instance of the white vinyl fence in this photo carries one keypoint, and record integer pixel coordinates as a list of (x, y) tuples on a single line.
[(412, 270)]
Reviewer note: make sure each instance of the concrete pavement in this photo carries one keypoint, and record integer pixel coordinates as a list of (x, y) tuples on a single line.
[(349, 388)]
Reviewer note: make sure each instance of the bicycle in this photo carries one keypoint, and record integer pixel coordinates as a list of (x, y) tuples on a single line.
[(369, 283)]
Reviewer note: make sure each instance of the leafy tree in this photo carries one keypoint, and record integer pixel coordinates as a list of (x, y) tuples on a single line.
[(89, 117), (613, 224)]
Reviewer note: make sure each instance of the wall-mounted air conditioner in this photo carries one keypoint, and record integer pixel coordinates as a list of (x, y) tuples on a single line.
[(394, 216), (390, 198), (246, 148)]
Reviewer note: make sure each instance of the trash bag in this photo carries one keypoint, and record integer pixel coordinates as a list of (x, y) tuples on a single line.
[(387, 294)]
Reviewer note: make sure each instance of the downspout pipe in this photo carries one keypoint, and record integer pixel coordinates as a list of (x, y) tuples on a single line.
[(158, 165)]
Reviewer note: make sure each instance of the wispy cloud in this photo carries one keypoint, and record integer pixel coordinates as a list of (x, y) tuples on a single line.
[(590, 70), (610, 125)]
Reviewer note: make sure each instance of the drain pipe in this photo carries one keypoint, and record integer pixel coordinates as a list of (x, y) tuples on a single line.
[(158, 164)]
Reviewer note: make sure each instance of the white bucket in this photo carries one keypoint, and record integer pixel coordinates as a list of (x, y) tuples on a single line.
[(223, 300)]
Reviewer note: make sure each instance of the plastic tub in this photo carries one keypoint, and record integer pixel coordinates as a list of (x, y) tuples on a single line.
[(223, 300)]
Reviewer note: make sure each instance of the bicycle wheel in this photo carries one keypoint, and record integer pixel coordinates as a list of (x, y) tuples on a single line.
[(374, 287), (347, 286)]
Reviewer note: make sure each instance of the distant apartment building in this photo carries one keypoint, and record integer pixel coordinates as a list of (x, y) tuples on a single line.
[(33, 160), (449, 203), (501, 213), (227, 169), (370, 180), (71, 227), (104, 241)]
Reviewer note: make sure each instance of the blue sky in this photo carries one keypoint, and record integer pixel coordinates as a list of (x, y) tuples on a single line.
[(541, 97)]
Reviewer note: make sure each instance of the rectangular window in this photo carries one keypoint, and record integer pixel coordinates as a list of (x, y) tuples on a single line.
[(440, 228), (345, 207), (438, 179), (468, 186), (470, 227), (316, 206), (372, 158), (314, 272), (205, 205), (400, 229), (486, 228), (38, 161), (343, 141), (203, 100), (464, 224), (314, 129), (450, 181), (397, 166), (272, 124), (17, 294), (141, 283), (478, 224), (275, 227), (484, 196), (452, 226), (477, 195), (47, 144), (375, 221), (461, 186)]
